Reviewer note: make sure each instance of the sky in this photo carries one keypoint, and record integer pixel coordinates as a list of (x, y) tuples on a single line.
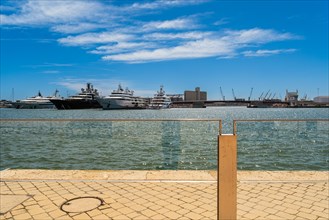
[(181, 44)]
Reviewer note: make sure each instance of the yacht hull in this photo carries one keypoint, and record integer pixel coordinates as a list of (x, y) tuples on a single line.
[(75, 104), (111, 104), (22, 105)]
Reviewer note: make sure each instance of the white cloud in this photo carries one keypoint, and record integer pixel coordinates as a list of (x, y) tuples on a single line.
[(76, 28), (52, 12), (189, 50), (257, 36), (94, 38), (222, 21), (180, 23), (263, 53), (160, 4), (225, 45), (183, 35), (121, 47), (51, 71)]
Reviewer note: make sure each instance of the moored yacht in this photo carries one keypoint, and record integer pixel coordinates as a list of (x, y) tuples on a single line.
[(37, 102), (160, 100), (86, 99), (121, 99)]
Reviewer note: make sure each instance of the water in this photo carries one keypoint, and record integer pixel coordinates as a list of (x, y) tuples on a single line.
[(167, 145)]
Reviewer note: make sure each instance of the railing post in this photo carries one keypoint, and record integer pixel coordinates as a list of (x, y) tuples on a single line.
[(227, 177)]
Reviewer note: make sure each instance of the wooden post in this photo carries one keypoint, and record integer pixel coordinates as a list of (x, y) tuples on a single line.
[(227, 177)]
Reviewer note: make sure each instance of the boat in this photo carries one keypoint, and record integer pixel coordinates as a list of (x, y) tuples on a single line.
[(37, 102), (86, 99), (121, 99), (160, 100)]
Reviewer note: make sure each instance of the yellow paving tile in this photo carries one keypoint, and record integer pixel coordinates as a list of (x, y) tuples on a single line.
[(23, 216), (82, 216), (148, 213), (42, 216), (172, 215), (193, 215), (100, 217)]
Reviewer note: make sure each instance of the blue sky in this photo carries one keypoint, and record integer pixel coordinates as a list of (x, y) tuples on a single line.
[(264, 45)]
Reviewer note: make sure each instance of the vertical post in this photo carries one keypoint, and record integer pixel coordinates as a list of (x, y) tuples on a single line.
[(227, 177)]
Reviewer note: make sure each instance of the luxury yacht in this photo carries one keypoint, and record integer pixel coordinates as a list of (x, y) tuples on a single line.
[(121, 99)]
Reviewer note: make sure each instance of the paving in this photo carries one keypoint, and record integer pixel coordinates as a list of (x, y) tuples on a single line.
[(53, 194)]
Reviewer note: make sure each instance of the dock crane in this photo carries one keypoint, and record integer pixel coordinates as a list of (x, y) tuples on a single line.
[(221, 92), (261, 95), (250, 94), (237, 99), (233, 94), (266, 94)]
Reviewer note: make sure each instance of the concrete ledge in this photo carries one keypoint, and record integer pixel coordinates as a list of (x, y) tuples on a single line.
[(150, 175)]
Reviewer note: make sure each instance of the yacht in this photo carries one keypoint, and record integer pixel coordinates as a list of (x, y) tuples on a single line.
[(121, 99), (86, 99), (37, 102), (160, 100)]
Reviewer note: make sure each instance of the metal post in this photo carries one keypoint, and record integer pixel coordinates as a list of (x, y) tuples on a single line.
[(227, 177)]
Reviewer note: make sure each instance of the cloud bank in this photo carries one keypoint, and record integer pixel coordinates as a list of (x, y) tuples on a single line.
[(119, 31)]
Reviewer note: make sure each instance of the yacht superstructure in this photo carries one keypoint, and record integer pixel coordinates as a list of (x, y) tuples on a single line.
[(160, 100), (121, 99), (37, 102), (86, 99)]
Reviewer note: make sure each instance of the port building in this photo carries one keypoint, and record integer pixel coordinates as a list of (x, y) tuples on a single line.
[(321, 99), (196, 95), (292, 98)]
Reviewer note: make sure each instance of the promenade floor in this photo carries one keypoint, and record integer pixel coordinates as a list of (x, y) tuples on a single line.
[(41, 194)]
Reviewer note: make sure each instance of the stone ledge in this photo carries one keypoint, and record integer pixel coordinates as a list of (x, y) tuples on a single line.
[(149, 175)]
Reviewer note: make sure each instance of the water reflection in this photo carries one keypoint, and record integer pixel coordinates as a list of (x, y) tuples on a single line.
[(170, 142)]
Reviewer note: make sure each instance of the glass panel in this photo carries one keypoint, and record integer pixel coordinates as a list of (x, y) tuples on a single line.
[(281, 145), (109, 145)]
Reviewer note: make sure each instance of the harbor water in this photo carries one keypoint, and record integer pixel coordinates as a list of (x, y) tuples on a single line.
[(163, 144)]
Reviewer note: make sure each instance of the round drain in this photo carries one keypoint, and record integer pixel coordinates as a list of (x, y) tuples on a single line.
[(82, 204)]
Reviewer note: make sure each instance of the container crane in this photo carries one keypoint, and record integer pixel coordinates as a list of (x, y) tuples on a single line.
[(237, 99), (273, 96), (261, 95), (233, 94), (266, 94), (250, 94), (221, 92)]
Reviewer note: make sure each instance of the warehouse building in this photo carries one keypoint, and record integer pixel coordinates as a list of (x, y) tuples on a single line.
[(321, 99), (196, 95)]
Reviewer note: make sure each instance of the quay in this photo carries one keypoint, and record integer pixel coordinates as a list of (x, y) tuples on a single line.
[(150, 194)]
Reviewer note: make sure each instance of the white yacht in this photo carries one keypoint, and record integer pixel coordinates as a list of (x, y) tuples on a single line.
[(37, 102), (160, 100), (122, 99)]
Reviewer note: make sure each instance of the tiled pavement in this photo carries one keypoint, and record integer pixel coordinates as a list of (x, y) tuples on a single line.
[(166, 198)]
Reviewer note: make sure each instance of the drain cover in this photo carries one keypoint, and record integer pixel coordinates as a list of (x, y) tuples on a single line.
[(82, 204)]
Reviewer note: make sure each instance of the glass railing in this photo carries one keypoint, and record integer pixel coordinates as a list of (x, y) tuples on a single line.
[(170, 144), (282, 144), (147, 144)]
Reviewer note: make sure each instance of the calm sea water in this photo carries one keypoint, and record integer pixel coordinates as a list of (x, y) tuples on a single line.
[(164, 144)]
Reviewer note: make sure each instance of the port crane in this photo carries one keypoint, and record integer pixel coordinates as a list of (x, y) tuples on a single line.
[(261, 95), (235, 98), (221, 92), (266, 94), (233, 94), (250, 94)]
